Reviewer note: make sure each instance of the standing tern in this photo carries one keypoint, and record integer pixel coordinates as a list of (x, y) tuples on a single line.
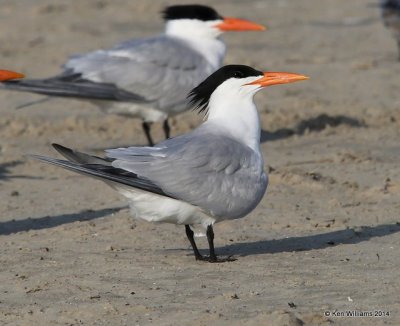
[(147, 78), (214, 173), (391, 18)]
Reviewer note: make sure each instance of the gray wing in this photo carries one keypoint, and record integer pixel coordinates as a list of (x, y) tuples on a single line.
[(216, 173), (81, 158), (160, 69), (72, 85), (106, 173)]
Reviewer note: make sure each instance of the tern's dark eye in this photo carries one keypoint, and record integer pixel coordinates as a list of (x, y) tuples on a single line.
[(238, 74)]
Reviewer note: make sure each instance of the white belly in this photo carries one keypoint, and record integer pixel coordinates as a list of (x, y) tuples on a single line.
[(144, 112), (156, 208)]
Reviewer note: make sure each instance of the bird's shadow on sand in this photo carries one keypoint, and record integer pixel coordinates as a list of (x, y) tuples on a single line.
[(302, 243), (317, 123), (6, 174), (47, 222), (310, 242)]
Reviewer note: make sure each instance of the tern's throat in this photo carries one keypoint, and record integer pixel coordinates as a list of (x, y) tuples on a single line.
[(237, 116), (200, 37)]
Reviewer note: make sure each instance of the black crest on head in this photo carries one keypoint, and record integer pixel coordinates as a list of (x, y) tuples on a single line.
[(199, 12), (200, 95)]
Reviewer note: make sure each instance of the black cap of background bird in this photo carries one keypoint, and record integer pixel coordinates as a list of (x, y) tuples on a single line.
[(391, 4), (199, 12), (200, 95)]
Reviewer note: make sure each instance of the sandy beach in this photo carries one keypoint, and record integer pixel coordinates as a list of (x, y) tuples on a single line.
[(325, 238)]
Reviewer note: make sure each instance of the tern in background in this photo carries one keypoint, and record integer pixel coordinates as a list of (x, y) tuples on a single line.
[(147, 78), (214, 173), (391, 18)]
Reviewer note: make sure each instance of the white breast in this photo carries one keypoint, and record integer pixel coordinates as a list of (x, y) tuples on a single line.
[(156, 208)]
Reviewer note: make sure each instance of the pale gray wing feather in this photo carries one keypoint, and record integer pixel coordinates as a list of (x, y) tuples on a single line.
[(159, 69), (105, 173), (79, 157), (214, 172)]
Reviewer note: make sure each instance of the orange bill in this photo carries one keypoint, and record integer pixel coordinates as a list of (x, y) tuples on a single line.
[(9, 75), (236, 24), (275, 78)]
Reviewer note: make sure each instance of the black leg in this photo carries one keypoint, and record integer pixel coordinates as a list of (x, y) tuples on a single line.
[(190, 234), (210, 238), (146, 128), (398, 47), (166, 128), (213, 257)]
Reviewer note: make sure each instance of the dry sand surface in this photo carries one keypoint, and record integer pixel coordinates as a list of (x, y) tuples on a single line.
[(325, 237)]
